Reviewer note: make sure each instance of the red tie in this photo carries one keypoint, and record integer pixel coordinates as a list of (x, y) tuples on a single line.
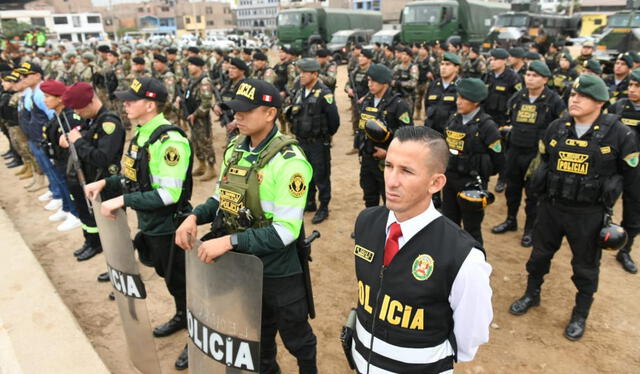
[(392, 247)]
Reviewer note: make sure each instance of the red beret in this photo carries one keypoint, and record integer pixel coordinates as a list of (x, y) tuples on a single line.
[(78, 95), (53, 87)]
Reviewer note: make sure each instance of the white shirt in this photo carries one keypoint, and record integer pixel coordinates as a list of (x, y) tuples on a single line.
[(470, 296)]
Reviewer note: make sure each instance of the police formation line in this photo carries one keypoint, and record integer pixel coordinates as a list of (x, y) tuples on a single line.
[(567, 138)]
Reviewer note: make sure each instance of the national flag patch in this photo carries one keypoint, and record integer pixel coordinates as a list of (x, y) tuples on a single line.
[(267, 98), (150, 94)]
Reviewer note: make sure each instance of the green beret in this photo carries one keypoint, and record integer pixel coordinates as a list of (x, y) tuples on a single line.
[(567, 56), (500, 53), (635, 75), (635, 55), (517, 52), (308, 64), (472, 89), (592, 86), (627, 58), (380, 73), (593, 65), (540, 68), (532, 55), (452, 57)]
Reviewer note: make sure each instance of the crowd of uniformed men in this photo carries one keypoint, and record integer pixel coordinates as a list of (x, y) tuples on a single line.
[(537, 118)]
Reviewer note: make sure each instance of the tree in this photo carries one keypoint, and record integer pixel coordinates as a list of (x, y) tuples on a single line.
[(12, 28)]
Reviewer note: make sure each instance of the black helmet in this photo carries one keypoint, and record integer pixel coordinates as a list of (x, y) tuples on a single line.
[(612, 237), (377, 131), (474, 196)]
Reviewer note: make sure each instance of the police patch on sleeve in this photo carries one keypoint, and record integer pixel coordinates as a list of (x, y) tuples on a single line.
[(297, 187), (109, 127), (171, 156), (404, 117), (632, 159), (496, 146), (329, 98)]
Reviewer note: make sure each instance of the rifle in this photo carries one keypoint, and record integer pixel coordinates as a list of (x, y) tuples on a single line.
[(304, 255), (226, 116), (75, 160), (184, 110)]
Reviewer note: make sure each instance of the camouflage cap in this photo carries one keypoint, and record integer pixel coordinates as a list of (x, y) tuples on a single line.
[(380, 73), (88, 56), (472, 89), (592, 86), (308, 64), (452, 57), (592, 65), (540, 68)]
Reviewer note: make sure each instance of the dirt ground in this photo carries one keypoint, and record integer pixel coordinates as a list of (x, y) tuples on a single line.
[(528, 344)]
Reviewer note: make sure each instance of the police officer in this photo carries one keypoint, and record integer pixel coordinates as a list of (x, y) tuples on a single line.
[(618, 82), (530, 111), (516, 61), (99, 145), (581, 154), (261, 69), (476, 152), (156, 183), (392, 112), (356, 88), (328, 69), (315, 118), (586, 53), (440, 100), (198, 106), (275, 195), (628, 109), (411, 263), (564, 74), (405, 77), (591, 67)]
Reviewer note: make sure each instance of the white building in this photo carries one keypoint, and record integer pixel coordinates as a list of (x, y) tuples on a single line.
[(256, 15), (77, 27)]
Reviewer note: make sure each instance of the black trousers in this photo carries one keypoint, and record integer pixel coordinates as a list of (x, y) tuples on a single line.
[(284, 311), (89, 227), (168, 261), (371, 181), (629, 221), (518, 160), (581, 225), (318, 153), (471, 219)]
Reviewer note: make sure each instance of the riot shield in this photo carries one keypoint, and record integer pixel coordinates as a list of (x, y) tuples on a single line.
[(129, 290), (224, 312)]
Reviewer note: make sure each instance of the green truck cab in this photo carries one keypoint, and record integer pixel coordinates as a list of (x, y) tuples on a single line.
[(514, 28), (426, 21), (621, 34), (302, 27)]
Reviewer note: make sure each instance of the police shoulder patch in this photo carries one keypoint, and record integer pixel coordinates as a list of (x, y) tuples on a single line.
[(632, 159), (108, 127), (297, 186), (329, 98), (496, 146), (405, 118), (171, 156), (422, 267)]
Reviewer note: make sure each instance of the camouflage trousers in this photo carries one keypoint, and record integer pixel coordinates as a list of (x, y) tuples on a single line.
[(202, 140), (355, 117), (19, 142), (284, 124), (421, 90)]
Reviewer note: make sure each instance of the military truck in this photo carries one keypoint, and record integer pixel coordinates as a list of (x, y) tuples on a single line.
[(341, 43), (621, 34), (520, 27), (303, 27), (431, 20)]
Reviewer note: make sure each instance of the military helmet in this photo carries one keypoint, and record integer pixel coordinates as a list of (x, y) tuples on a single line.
[(612, 237), (377, 131)]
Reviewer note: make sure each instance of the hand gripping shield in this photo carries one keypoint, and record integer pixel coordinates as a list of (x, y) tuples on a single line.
[(129, 289), (224, 313)]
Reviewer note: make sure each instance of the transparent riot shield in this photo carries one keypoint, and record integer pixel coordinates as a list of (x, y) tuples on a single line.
[(224, 311), (129, 290)]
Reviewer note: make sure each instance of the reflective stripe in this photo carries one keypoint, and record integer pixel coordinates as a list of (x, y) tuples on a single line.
[(167, 181), (165, 196), (283, 212), (284, 233), (403, 354), (361, 364), (90, 229)]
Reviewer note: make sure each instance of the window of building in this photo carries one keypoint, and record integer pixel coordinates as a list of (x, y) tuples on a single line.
[(60, 20), (165, 9), (37, 21), (209, 10), (90, 35), (93, 19), (140, 10), (210, 23), (75, 20), (187, 19), (65, 37), (198, 19)]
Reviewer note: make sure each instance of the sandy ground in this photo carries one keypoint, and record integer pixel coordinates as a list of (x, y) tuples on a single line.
[(528, 344)]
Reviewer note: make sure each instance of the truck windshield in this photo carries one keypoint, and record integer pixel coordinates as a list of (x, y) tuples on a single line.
[(339, 38), (512, 20), (426, 14), (382, 39), (289, 19), (618, 20)]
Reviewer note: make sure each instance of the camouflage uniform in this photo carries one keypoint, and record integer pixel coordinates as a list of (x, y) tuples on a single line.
[(328, 75), (292, 74), (474, 68), (266, 74), (19, 139), (200, 90), (169, 81), (84, 73), (405, 81)]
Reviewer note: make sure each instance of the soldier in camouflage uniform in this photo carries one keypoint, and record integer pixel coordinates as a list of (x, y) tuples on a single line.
[(71, 66), (87, 69), (56, 66), (359, 77), (328, 69), (217, 72), (474, 65), (352, 63), (292, 70), (101, 65), (165, 75), (425, 76), (126, 60), (405, 77), (115, 81), (238, 71), (281, 69), (198, 97), (388, 57), (138, 70), (261, 69)]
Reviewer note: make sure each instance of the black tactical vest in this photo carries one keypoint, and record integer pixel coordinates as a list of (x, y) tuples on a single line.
[(465, 147), (629, 116), (529, 121), (191, 97), (308, 120), (281, 75), (441, 104)]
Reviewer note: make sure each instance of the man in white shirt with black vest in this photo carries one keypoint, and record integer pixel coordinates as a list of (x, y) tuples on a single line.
[(423, 282)]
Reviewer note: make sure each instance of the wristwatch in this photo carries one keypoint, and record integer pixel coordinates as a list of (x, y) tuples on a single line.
[(234, 241)]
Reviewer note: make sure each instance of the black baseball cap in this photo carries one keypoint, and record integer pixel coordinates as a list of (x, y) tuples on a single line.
[(144, 88), (253, 93)]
